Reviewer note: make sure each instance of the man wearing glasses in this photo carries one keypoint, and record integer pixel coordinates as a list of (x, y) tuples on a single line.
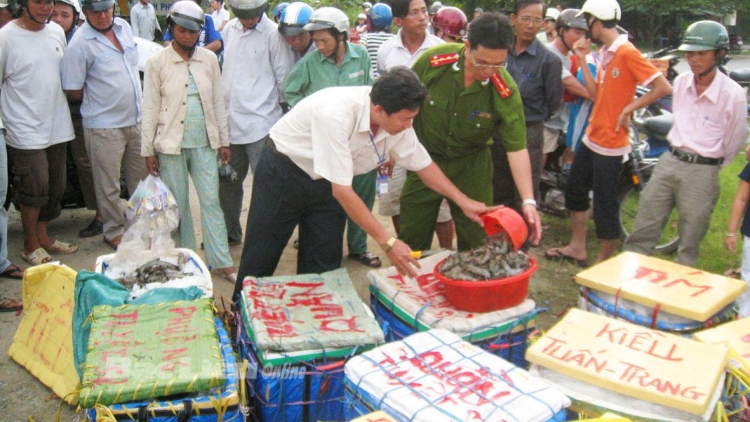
[(470, 96), (538, 73)]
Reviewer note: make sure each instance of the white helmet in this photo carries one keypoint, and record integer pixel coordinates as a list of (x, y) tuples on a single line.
[(604, 10), (328, 17), (187, 14), (552, 14)]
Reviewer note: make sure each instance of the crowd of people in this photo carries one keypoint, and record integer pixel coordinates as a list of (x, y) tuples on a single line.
[(443, 120)]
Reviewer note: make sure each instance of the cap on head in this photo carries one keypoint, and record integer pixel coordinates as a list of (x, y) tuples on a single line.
[(187, 14), (328, 17), (705, 35), (294, 18), (98, 5), (604, 10)]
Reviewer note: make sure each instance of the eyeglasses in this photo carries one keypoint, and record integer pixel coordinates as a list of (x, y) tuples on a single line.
[(528, 19), (484, 65)]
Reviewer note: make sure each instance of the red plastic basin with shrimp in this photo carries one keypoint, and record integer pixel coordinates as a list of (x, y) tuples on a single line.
[(487, 295), (506, 220)]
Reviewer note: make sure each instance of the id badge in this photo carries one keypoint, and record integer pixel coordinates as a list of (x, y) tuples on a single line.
[(381, 184)]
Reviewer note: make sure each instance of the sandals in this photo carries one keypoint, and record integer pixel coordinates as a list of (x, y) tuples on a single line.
[(38, 257), (13, 272), (10, 305), (367, 258), (228, 276), (62, 248)]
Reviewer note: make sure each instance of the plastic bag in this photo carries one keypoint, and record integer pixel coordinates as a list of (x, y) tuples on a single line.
[(153, 198)]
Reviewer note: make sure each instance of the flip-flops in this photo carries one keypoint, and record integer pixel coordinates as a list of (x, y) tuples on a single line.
[(38, 257), (13, 272), (10, 305), (62, 248), (367, 258), (228, 276), (556, 254)]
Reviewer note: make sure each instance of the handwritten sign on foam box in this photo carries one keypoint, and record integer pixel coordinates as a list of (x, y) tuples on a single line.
[(677, 289), (734, 334), (650, 365)]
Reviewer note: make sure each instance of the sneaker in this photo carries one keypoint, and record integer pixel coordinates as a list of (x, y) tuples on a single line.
[(94, 229)]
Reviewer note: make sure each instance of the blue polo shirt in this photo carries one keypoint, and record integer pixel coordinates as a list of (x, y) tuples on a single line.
[(109, 78)]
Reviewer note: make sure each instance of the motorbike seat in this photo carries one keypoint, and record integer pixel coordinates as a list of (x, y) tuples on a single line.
[(659, 125), (740, 75)]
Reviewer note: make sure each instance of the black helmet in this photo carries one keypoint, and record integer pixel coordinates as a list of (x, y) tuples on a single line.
[(571, 18), (98, 5)]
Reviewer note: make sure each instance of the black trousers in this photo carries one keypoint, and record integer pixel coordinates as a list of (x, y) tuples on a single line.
[(283, 197)]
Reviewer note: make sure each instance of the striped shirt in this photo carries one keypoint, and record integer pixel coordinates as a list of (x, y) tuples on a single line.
[(372, 41)]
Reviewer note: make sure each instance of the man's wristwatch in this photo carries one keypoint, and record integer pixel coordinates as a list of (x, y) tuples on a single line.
[(528, 202), (388, 245)]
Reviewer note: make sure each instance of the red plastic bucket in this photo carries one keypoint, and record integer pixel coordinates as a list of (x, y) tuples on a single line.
[(488, 295), (507, 220)]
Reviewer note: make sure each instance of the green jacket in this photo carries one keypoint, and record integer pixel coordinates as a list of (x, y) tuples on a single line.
[(456, 122), (314, 72)]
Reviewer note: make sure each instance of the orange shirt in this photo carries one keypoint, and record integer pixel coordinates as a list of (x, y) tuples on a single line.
[(622, 71)]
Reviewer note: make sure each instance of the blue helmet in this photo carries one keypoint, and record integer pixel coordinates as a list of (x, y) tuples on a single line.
[(279, 9), (293, 18), (381, 16)]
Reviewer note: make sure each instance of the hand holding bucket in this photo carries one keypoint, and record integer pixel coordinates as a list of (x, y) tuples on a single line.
[(504, 219)]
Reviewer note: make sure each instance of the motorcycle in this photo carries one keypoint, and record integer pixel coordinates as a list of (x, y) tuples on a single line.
[(636, 172)]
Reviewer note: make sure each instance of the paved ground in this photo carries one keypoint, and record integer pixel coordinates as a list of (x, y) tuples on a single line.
[(23, 397)]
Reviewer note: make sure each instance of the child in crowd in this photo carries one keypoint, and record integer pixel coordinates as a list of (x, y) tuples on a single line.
[(740, 210)]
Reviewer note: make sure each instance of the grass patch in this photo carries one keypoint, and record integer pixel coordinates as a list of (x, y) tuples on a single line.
[(714, 257)]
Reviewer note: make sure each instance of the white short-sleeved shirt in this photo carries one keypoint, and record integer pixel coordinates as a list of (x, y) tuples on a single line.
[(328, 136), (393, 53), (32, 103)]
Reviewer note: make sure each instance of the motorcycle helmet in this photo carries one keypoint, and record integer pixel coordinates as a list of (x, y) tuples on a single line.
[(328, 17), (451, 20), (187, 14), (279, 9), (604, 10), (98, 5), (705, 35), (294, 18), (552, 14), (435, 7), (381, 16), (248, 9), (571, 18)]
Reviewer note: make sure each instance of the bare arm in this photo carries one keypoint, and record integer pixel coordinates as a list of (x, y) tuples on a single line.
[(574, 86), (400, 253), (582, 48), (74, 94), (661, 87), (735, 218)]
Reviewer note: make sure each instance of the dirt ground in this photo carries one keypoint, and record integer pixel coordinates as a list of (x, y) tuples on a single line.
[(24, 398)]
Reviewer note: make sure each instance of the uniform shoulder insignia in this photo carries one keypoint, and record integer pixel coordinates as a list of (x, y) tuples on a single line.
[(501, 86), (443, 59)]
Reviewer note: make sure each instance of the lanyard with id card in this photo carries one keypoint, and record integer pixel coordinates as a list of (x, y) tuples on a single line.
[(381, 181)]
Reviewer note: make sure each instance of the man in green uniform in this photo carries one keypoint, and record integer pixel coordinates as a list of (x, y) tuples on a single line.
[(470, 95)]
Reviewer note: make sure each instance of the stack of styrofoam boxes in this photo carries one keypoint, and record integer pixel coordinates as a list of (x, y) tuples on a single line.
[(297, 332)]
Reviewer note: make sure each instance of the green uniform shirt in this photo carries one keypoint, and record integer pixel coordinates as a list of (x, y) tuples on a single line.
[(456, 121), (314, 72)]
